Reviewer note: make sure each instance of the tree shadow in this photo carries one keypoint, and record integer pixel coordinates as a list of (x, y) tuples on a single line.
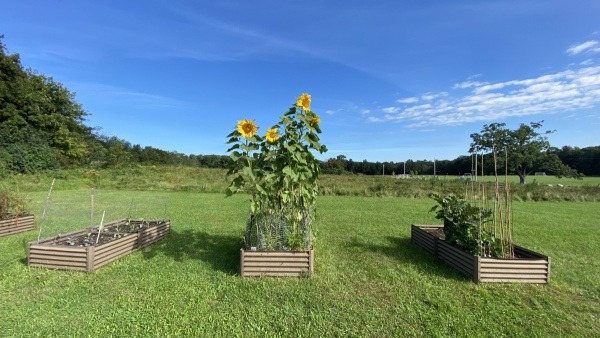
[(405, 251), (222, 252)]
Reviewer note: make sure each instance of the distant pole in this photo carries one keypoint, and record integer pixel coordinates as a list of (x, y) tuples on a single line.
[(434, 167), (481, 164), (383, 170), (404, 172), (475, 167)]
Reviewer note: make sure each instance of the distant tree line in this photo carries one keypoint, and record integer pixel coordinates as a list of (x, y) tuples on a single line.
[(585, 160), (42, 128)]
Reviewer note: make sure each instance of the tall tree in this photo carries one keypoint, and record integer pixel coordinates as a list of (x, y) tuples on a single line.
[(46, 110), (525, 149)]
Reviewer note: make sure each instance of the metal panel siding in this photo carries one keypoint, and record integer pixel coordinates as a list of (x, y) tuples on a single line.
[(276, 263), (16, 225)]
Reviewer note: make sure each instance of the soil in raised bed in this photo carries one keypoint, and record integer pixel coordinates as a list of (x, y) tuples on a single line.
[(89, 239), (109, 233)]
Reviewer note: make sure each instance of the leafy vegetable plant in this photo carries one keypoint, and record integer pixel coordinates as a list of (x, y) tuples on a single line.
[(464, 225)]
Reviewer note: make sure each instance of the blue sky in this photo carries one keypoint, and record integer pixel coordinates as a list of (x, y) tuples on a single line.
[(391, 80)]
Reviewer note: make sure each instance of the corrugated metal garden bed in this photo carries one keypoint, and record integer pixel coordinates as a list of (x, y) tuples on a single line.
[(15, 225), (527, 267), (84, 251)]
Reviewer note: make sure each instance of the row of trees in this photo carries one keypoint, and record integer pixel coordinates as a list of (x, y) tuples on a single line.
[(496, 149), (42, 127), (585, 160)]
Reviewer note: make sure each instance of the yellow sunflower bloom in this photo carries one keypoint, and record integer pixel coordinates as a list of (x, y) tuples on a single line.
[(247, 128), (272, 135), (304, 101), (314, 122)]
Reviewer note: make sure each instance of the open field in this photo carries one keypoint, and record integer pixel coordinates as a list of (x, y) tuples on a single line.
[(370, 280), (204, 180), (531, 179)]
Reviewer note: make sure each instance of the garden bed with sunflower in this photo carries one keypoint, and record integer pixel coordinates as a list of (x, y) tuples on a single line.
[(280, 173)]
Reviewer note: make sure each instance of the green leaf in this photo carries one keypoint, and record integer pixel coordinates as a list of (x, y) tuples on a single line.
[(260, 188), (248, 172), (235, 146), (236, 155)]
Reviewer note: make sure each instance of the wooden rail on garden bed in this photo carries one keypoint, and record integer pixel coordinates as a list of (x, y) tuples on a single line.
[(15, 225), (529, 267), (47, 253), (276, 263)]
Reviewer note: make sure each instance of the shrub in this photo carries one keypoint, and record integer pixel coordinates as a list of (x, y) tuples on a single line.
[(11, 204)]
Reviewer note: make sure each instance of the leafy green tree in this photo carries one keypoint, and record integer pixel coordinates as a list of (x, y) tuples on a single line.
[(334, 166), (44, 108), (25, 150), (525, 149), (584, 160)]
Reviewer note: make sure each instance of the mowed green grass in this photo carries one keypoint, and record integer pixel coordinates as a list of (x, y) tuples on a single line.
[(369, 281)]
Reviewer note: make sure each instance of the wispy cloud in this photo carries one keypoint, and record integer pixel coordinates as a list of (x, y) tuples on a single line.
[(433, 96), (559, 92), (126, 97), (408, 100), (591, 46), (587, 62), (469, 84)]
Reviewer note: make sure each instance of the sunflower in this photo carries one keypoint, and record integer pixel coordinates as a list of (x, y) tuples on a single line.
[(247, 128), (272, 135), (304, 101), (314, 122)]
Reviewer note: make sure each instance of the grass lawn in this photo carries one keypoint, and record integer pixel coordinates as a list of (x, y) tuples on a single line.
[(370, 280)]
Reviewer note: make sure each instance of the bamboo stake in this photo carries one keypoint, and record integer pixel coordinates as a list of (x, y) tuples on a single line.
[(509, 230), (496, 193), (45, 208), (100, 227), (92, 209)]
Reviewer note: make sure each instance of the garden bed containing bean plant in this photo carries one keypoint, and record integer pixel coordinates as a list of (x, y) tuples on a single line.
[(527, 266), (90, 249)]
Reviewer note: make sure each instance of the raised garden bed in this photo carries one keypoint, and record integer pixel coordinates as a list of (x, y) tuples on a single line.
[(528, 267), (276, 263), (17, 224), (79, 251)]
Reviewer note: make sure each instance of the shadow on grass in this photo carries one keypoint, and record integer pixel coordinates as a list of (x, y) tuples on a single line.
[(220, 251), (405, 251)]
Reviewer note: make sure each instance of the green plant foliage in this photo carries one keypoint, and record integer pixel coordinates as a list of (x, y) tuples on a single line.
[(525, 149), (25, 150), (12, 205), (464, 225), (280, 173), (46, 111)]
